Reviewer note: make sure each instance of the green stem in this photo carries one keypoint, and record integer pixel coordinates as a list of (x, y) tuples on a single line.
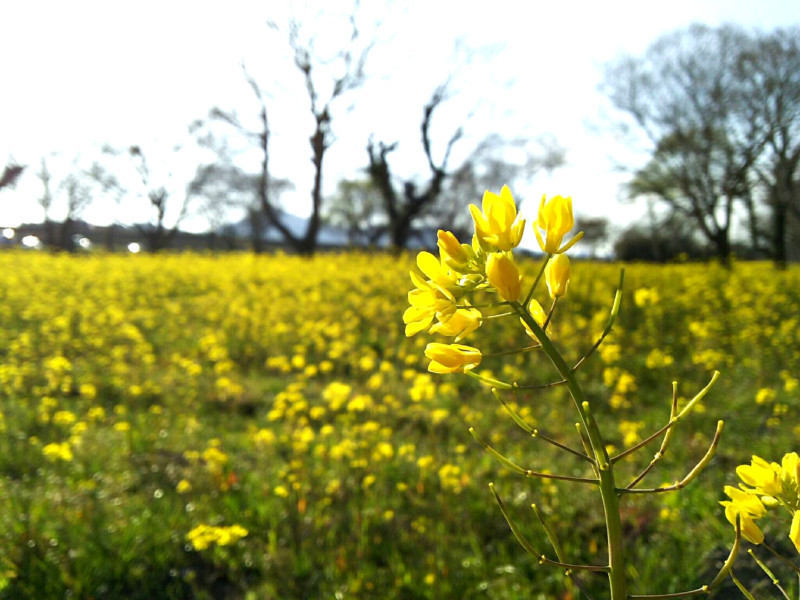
[(536, 281), (608, 491)]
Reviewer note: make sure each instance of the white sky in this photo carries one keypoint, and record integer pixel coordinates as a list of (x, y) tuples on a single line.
[(80, 74)]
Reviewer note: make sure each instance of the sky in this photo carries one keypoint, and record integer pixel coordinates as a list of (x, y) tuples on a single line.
[(83, 74)]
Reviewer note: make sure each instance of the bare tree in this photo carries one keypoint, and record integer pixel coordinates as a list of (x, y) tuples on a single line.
[(10, 175), (769, 76), (683, 94), (78, 196), (158, 232), (443, 196), (494, 162), (77, 192), (595, 232), (46, 202), (351, 61), (356, 208), (402, 208), (223, 188)]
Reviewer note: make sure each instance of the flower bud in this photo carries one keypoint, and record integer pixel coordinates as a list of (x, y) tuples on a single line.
[(504, 276), (557, 275), (496, 225), (555, 220), (537, 312), (452, 358), (453, 254)]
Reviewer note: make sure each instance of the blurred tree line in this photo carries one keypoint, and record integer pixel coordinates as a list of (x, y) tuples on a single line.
[(715, 110), (718, 110)]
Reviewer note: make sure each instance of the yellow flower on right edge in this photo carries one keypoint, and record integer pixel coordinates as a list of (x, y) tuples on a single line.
[(771, 485)]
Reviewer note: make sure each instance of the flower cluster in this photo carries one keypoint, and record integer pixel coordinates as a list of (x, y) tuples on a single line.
[(439, 302), (203, 536), (765, 485)]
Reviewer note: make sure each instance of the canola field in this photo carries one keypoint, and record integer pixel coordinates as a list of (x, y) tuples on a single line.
[(239, 426)]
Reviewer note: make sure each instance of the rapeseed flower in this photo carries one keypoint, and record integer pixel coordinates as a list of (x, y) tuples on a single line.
[(794, 530), (495, 225), (454, 254), (555, 220), (463, 322), (747, 508), (452, 358), (557, 275), (763, 476), (504, 276), (537, 312), (428, 301)]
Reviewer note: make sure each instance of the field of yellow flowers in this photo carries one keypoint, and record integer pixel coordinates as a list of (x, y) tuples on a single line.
[(239, 426)]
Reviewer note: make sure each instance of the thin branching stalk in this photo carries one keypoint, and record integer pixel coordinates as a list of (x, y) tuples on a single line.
[(691, 476), (526, 472), (664, 443)]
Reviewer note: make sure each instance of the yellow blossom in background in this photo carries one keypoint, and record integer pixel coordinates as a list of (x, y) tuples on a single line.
[(554, 221), (60, 451), (765, 396), (204, 536), (452, 358), (504, 276), (64, 417), (557, 275), (495, 225)]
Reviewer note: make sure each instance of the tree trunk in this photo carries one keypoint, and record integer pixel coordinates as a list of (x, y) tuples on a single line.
[(723, 247), (779, 233)]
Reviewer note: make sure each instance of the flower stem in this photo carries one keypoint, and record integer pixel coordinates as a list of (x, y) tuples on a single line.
[(608, 491)]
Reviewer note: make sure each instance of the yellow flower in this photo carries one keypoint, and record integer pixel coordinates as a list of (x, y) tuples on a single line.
[(463, 322), (452, 358), (428, 301), (555, 220), (495, 225), (763, 476), (790, 471), (537, 312), (794, 531), (434, 268), (557, 275), (504, 276), (747, 507), (453, 253), (55, 452)]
